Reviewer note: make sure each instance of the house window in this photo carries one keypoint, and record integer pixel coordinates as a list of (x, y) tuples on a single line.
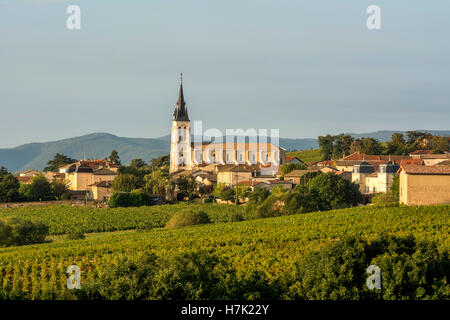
[(240, 157)]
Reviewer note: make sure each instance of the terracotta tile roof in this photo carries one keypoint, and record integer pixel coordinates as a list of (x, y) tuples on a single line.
[(298, 173), (374, 157), (421, 152), (444, 163), (248, 183), (279, 182), (435, 156), (104, 172), (325, 163), (426, 170), (102, 184), (237, 168), (411, 162)]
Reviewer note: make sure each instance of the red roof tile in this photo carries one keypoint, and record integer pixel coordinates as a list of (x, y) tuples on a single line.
[(427, 170)]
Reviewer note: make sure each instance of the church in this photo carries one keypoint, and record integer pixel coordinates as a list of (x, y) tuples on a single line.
[(186, 155)]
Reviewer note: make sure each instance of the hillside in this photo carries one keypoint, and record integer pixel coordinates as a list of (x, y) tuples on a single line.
[(270, 245), (100, 145), (307, 156)]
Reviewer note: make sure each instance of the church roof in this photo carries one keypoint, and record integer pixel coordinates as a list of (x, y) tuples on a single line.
[(180, 113)]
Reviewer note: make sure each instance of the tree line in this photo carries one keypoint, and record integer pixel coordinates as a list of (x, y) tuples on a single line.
[(338, 146)]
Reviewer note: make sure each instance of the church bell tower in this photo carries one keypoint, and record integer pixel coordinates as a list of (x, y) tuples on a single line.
[(180, 143)]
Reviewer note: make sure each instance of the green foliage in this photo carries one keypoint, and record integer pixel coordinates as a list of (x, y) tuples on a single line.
[(384, 199), (9, 186), (187, 186), (161, 162), (224, 192), (125, 182), (235, 217), (58, 188), (367, 146), (334, 192), (395, 186), (301, 200), (137, 163), (75, 235), (191, 275), (258, 255), (129, 199), (317, 191), (39, 190), (289, 167), (307, 156), (188, 218), (114, 157), (18, 232), (333, 147), (63, 219), (410, 270), (159, 182), (58, 161)]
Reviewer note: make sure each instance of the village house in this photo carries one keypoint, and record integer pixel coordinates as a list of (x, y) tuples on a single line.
[(101, 190), (424, 185), (295, 175), (79, 177), (289, 160)]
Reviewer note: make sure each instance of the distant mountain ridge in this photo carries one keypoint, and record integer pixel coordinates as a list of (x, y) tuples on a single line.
[(100, 145)]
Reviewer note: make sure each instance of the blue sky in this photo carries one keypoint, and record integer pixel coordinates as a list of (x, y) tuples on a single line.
[(305, 67)]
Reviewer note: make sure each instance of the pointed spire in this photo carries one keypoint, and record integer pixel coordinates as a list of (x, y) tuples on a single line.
[(180, 113)]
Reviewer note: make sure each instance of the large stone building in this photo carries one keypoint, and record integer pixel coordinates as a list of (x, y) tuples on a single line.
[(371, 180), (185, 155), (424, 185)]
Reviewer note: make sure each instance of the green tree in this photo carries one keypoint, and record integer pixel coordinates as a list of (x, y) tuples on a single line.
[(39, 189), (159, 182), (334, 192), (397, 145), (341, 146), (137, 163), (125, 182), (9, 186), (187, 186), (59, 188), (440, 144), (58, 161), (367, 146), (161, 162), (114, 157), (224, 192), (395, 186), (326, 146)]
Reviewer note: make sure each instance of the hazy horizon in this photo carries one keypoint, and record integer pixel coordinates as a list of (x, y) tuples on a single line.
[(306, 68)]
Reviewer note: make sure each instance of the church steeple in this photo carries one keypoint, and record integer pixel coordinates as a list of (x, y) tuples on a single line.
[(180, 113)]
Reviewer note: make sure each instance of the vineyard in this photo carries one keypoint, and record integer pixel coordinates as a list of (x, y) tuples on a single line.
[(270, 245), (62, 219)]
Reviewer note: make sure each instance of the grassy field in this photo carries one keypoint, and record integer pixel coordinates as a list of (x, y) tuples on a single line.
[(269, 245), (307, 156), (62, 219)]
